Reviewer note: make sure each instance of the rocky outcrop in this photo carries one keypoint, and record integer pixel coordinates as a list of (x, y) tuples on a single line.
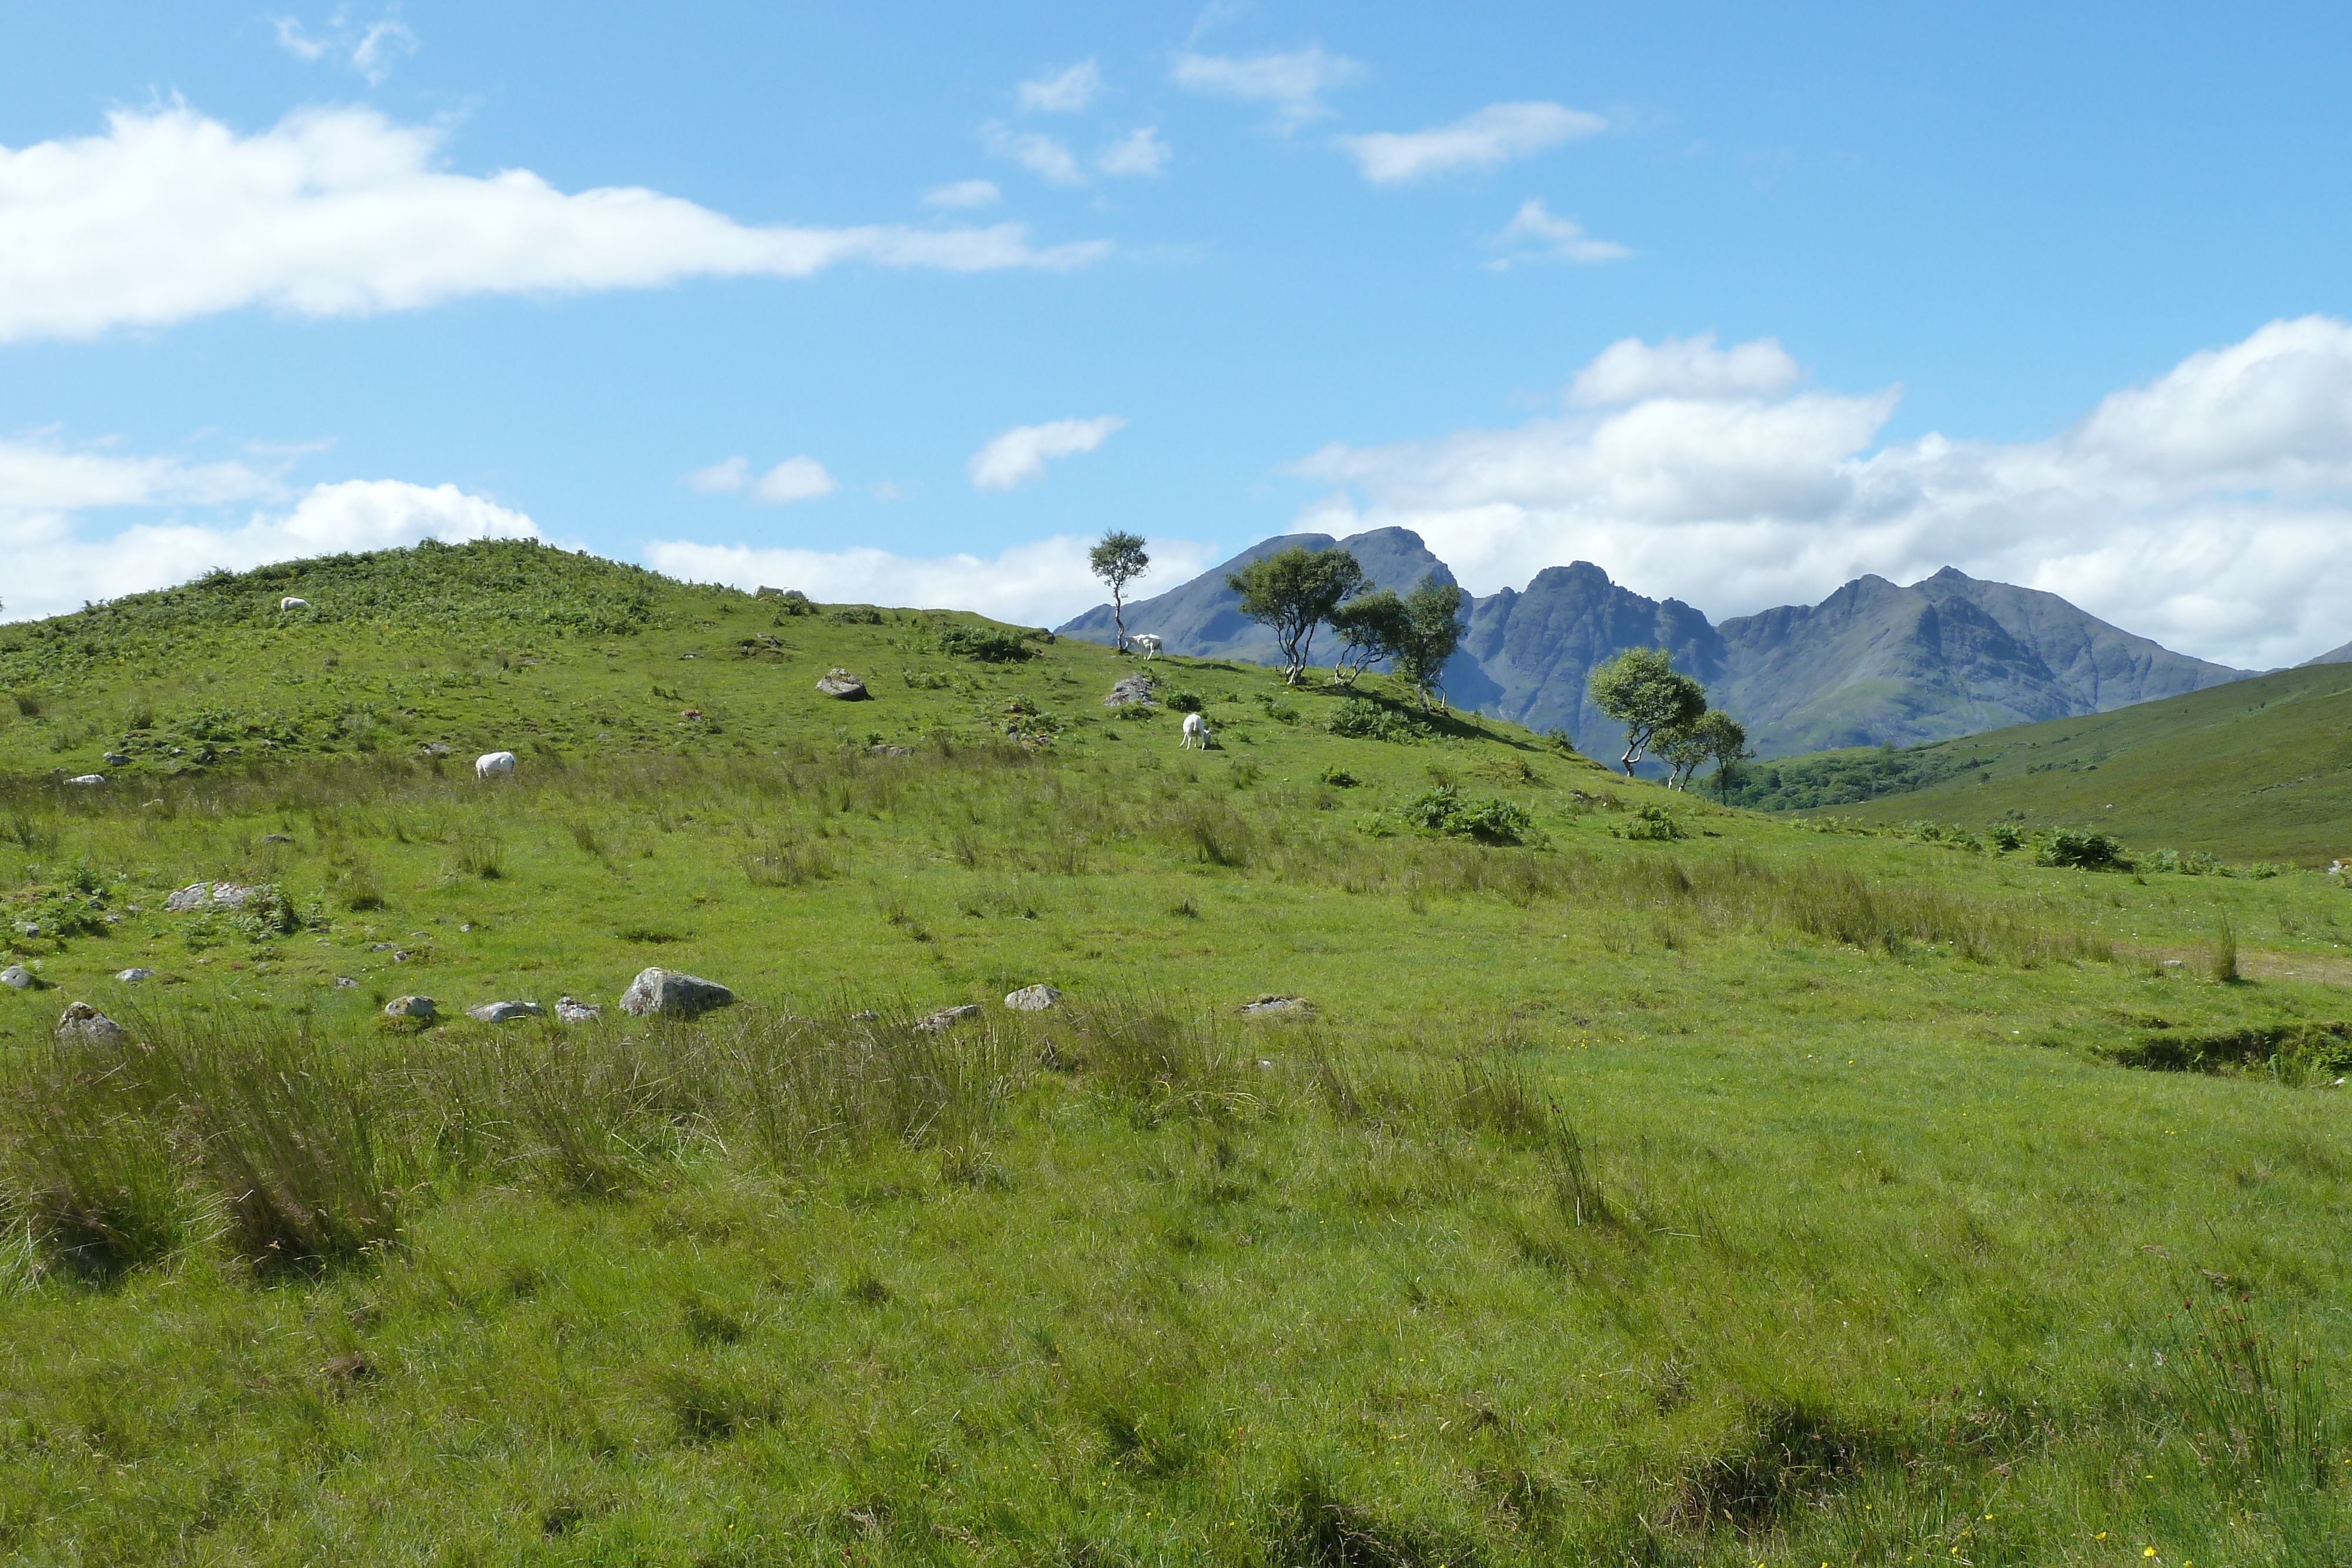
[(667, 993)]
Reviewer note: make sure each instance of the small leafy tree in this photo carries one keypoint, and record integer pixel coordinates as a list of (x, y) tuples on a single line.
[(1371, 627), (1292, 591), (1119, 559), (1643, 691), (1433, 631), (1727, 746)]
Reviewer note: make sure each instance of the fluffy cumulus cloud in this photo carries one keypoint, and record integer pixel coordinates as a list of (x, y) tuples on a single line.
[(1291, 86), (58, 558), (1494, 134), (1064, 91), (2209, 508), (1038, 584), (1019, 454), (340, 211), (1537, 234)]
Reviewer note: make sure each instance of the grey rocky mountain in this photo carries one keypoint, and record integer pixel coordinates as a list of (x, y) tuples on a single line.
[(1875, 662), (2333, 656)]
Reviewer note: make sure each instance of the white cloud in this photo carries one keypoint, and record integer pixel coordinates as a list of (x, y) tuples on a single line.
[(1037, 584), (340, 211), (1291, 85), (2209, 508), (1494, 134), (1139, 153), (1629, 370), (55, 564), (720, 478), (802, 478), (963, 193), (1040, 154), (1536, 233), (1019, 455), (368, 50), (1065, 92), (45, 476)]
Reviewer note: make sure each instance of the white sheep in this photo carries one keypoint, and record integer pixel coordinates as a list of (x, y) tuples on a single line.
[(1149, 642), (292, 603), (494, 762), (1196, 729)]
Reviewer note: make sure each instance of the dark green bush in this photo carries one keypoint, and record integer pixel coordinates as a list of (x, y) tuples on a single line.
[(2082, 850), (1651, 822), (1490, 821), (987, 644), (1361, 718)]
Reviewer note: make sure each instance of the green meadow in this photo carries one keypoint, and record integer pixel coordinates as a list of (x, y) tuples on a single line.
[(1628, 1179)]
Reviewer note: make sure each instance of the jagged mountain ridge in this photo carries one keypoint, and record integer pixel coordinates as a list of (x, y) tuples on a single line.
[(1875, 662)]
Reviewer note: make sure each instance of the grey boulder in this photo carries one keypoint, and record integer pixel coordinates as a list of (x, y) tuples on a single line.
[(840, 682), (567, 1010), (946, 1019), (505, 1012), (1278, 1007), (672, 995), (1129, 690), (207, 895), (81, 1021), (17, 978), (132, 976), (411, 1007), (1033, 999), (116, 760)]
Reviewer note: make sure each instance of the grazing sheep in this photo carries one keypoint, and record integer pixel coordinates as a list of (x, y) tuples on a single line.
[(494, 762), (1194, 730), (292, 603), (1149, 642)]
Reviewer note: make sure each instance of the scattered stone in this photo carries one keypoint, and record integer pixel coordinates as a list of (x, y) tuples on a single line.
[(81, 1021), (400, 955), (889, 752), (946, 1019), (865, 1015), (1033, 999), (2172, 964), (1278, 1006), (345, 980), (277, 838), (436, 749), (17, 978), (667, 992), (116, 760), (411, 1007), (840, 682), (132, 976), (379, 947), (87, 778), (1129, 690), (570, 1011), (505, 1012), (207, 895)]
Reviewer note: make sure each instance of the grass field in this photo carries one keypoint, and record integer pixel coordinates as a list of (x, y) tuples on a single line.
[(1641, 1182), (2258, 769)]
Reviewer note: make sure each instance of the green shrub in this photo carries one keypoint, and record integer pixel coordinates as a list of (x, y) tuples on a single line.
[(2004, 837), (855, 615), (2082, 850), (1651, 822), (1338, 779), (1361, 718), (987, 644), (1490, 821), (2194, 863), (1184, 702)]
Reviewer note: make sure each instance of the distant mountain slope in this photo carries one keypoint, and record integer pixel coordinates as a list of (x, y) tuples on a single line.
[(1875, 662), (2333, 656), (1200, 617), (2257, 769)]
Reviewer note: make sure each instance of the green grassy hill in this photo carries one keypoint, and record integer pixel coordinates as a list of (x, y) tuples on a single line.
[(1628, 1179), (2259, 770)]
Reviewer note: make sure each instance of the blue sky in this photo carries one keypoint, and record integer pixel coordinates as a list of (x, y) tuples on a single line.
[(912, 299)]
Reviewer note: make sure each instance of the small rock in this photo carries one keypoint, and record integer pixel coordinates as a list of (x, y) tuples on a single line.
[(1277, 1007), (865, 1015), (84, 1023), (1130, 690), (890, 751), (436, 749), (132, 976), (2172, 964), (345, 980), (379, 947), (1033, 999), (567, 1010), (946, 1019), (116, 760), (505, 1012), (840, 682), (87, 778), (201, 894), (411, 1007), (277, 838), (399, 955), (17, 978), (667, 992)]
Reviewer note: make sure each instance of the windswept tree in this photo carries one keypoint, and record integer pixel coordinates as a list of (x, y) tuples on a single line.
[(1643, 691), (1433, 631), (1727, 743), (1292, 591), (1119, 559), (1371, 627)]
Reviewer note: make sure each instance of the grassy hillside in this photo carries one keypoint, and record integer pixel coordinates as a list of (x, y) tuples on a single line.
[(1635, 1180), (2259, 770)]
